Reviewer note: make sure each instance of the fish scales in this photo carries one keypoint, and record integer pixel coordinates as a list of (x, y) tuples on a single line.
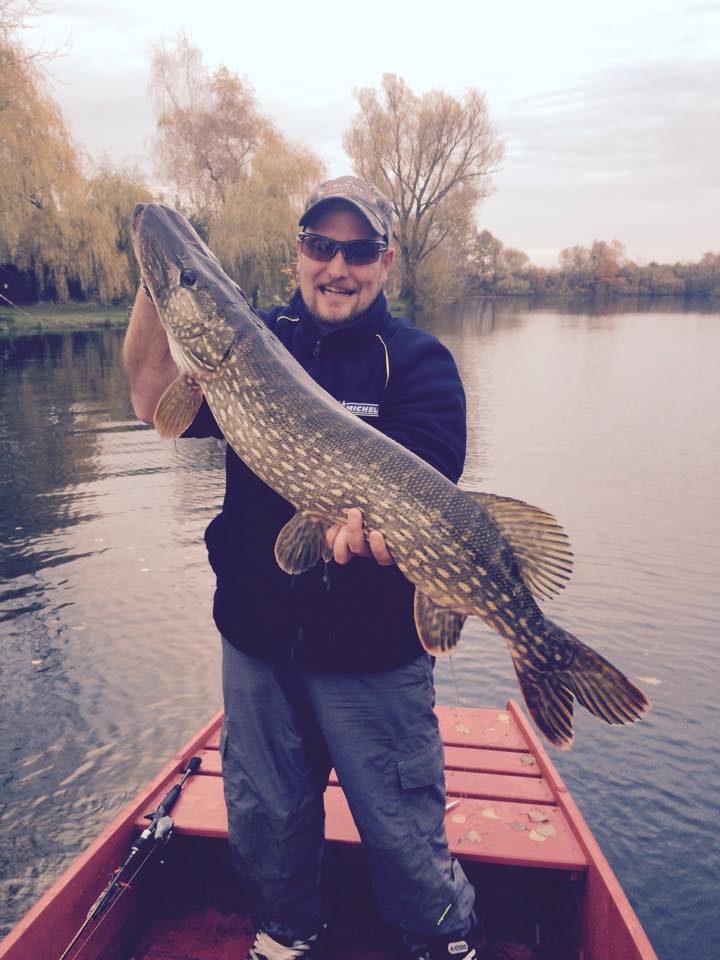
[(466, 553)]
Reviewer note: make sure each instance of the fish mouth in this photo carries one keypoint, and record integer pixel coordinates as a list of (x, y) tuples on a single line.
[(135, 216)]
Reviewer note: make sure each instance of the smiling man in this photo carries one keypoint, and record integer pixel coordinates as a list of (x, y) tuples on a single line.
[(325, 669)]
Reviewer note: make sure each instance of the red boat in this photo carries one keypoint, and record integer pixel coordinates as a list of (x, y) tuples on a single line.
[(545, 887)]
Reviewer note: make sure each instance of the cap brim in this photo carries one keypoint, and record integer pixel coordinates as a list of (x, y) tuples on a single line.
[(371, 218)]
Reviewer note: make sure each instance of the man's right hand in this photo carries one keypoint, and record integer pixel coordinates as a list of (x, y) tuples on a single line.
[(348, 540)]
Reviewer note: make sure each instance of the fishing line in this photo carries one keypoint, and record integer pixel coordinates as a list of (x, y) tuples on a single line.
[(3, 297), (123, 889), (458, 701)]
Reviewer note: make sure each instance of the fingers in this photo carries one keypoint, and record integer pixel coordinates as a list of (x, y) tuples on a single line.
[(379, 549), (348, 540)]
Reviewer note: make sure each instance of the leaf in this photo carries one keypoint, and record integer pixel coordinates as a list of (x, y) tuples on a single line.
[(535, 835), (503, 717), (458, 818), (461, 728), (473, 836), (527, 761), (517, 826), (546, 830), (490, 814), (538, 816)]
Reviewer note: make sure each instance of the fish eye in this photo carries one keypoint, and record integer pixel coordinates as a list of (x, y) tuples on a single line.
[(187, 278)]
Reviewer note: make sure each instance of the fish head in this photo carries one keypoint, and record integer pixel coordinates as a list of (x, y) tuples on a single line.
[(192, 294)]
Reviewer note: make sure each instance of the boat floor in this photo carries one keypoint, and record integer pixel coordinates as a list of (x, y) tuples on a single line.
[(200, 920)]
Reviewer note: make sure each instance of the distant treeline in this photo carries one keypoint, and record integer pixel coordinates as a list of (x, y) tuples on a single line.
[(64, 220), (598, 271)]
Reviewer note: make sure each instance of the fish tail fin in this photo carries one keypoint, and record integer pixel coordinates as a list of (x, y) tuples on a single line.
[(591, 680), (550, 704)]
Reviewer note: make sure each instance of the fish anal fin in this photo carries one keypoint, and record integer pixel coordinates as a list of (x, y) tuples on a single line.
[(537, 540), (438, 628), (301, 542), (177, 407)]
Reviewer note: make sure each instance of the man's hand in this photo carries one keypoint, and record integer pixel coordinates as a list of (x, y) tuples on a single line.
[(348, 540)]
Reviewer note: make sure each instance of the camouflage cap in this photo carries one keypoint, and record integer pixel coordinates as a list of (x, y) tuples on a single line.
[(363, 196)]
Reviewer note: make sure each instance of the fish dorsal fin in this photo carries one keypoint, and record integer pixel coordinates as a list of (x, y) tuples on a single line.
[(177, 407), (539, 543), (438, 628), (301, 542)]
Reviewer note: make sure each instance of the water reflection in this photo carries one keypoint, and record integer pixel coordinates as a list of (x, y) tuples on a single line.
[(608, 419)]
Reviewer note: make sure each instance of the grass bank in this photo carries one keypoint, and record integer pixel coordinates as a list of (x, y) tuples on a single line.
[(49, 318)]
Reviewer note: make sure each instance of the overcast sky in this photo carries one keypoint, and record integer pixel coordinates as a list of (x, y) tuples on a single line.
[(610, 111)]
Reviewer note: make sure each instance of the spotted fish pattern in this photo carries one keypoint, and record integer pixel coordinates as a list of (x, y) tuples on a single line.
[(468, 554)]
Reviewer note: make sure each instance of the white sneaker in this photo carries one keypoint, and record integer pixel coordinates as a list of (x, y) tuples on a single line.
[(265, 948)]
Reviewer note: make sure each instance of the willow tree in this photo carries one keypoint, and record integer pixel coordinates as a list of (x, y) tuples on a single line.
[(433, 155), (38, 167), (254, 232), (56, 223)]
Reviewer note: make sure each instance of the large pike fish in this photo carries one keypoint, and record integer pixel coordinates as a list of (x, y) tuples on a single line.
[(466, 553)]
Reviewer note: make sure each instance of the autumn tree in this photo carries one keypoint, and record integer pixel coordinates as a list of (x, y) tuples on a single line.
[(433, 156), (254, 232), (230, 169), (58, 224), (208, 126)]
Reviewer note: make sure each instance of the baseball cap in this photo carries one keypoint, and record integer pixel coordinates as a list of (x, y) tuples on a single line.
[(366, 198)]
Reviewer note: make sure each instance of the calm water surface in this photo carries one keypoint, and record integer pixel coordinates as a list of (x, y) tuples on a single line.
[(109, 656)]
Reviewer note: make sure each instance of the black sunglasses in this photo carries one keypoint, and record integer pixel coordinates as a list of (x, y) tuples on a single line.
[(357, 253)]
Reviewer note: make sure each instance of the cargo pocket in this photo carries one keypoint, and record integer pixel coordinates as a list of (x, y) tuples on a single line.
[(422, 780)]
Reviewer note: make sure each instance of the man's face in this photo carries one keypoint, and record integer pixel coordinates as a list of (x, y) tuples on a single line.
[(335, 292)]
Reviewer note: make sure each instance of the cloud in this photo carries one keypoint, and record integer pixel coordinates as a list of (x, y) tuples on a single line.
[(639, 138)]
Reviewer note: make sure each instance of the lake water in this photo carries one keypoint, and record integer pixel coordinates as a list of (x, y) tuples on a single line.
[(110, 660)]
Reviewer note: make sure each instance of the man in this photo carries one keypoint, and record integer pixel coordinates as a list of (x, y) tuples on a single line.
[(325, 669)]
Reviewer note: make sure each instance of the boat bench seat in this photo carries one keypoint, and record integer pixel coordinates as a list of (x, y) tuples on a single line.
[(507, 813)]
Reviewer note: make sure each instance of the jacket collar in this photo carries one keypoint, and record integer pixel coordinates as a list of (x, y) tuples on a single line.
[(368, 322)]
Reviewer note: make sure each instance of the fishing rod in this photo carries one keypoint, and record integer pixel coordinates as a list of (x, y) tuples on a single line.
[(158, 830)]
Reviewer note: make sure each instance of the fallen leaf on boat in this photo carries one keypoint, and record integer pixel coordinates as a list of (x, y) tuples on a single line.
[(461, 728), (546, 830), (527, 761), (516, 825), (473, 836), (489, 814), (538, 816), (458, 818), (503, 717), (534, 835)]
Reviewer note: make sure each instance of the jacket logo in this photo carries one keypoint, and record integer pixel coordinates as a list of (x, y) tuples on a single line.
[(362, 409)]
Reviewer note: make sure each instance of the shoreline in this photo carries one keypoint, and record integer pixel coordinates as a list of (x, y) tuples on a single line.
[(51, 318), (33, 319)]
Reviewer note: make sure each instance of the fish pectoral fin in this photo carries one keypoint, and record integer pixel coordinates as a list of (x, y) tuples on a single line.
[(438, 628), (301, 542), (177, 407), (540, 544)]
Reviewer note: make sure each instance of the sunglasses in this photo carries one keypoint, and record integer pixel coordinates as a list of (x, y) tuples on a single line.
[(357, 253)]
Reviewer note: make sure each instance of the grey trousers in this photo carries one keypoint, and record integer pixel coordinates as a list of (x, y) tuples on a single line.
[(284, 729)]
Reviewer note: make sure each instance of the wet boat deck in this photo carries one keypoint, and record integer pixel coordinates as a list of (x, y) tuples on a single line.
[(510, 798)]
